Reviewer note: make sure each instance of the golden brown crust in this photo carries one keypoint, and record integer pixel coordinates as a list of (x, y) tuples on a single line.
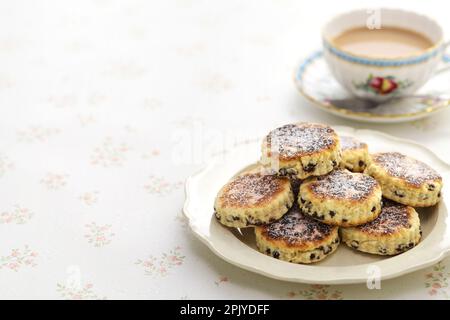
[(301, 150), (296, 230), (397, 229), (355, 154), (341, 198), (252, 199), (392, 219), (405, 180), (342, 184), (413, 172), (252, 190), (293, 141)]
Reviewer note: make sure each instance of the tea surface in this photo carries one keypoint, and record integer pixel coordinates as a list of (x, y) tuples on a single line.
[(389, 42)]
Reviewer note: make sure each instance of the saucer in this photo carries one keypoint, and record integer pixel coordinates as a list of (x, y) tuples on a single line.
[(314, 81)]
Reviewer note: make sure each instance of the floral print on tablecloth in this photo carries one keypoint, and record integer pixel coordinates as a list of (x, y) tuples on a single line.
[(5, 164), (221, 280), (182, 220), (89, 198), (99, 235), (18, 259), (54, 181), (161, 186), (16, 215), (82, 292), (161, 266), (110, 153), (317, 292), (436, 281), (154, 153), (36, 134)]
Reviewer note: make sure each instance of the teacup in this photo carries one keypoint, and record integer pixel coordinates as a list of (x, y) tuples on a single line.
[(378, 76)]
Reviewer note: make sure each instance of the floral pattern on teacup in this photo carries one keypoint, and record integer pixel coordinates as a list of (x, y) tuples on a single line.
[(382, 85)]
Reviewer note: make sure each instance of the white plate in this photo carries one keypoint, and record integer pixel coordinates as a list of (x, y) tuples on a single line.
[(315, 82), (345, 265)]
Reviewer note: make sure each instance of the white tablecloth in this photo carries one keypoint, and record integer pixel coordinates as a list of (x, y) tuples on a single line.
[(107, 106)]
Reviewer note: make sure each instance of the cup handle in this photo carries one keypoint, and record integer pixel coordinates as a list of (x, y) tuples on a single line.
[(445, 59)]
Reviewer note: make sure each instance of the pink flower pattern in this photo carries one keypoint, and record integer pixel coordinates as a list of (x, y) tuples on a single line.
[(99, 235), (221, 280), (5, 164), (89, 198), (54, 181), (162, 265), (436, 281), (17, 215), (36, 134), (160, 186), (18, 258), (181, 218), (317, 292), (151, 154), (84, 292), (86, 119), (109, 154)]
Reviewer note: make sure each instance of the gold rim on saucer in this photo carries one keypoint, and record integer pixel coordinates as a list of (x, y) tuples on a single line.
[(429, 105)]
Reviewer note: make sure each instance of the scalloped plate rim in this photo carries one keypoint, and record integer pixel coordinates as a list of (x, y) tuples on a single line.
[(204, 239)]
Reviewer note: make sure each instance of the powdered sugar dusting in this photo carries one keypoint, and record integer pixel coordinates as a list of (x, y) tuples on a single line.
[(295, 227), (411, 170), (350, 143), (252, 189), (393, 217), (343, 184), (295, 140)]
